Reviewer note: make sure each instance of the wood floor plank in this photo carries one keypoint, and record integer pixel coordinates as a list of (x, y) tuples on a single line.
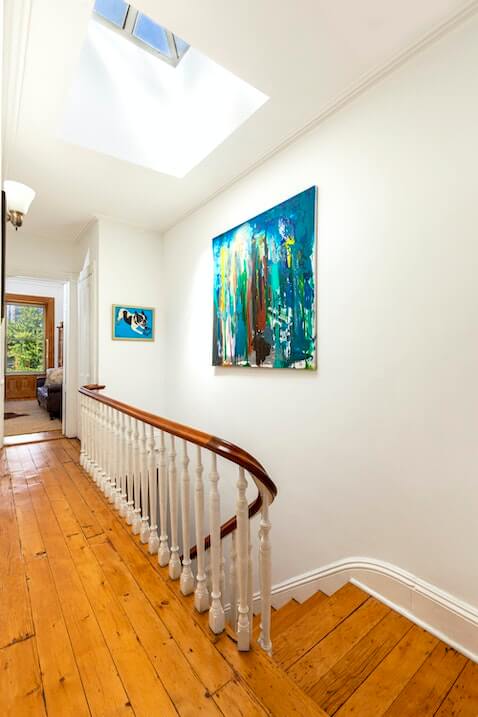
[(462, 701), (429, 686), (143, 686), (328, 652), (268, 682), (38, 456), (103, 687), (58, 480), (72, 451), (145, 690), (378, 692), (298, 639), (28, 467), (15, 613), (64, 693), (339, 683), (32, 545), (187, 692), (20, 682), (213, 671), (233, 700)]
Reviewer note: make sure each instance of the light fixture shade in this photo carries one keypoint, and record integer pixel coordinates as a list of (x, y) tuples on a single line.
[(19, 196)]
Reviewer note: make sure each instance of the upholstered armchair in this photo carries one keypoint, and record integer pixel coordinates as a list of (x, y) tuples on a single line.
[(50, 392)]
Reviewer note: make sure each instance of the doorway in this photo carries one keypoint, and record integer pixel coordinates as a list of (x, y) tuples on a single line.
[(34, 357)]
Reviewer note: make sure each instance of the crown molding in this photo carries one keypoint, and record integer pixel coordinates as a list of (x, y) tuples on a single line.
[(358, 88)]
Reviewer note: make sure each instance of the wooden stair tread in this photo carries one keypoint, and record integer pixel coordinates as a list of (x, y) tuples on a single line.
[(382, 687), (275, 690), (462, 700), (317, 622), (292, 611), (285, 616), (337, 685), (430, 685), (322, 658)]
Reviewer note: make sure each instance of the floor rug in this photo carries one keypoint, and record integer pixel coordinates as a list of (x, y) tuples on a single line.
[(29, 418)]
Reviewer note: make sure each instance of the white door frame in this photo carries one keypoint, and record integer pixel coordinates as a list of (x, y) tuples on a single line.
[(70, 380)]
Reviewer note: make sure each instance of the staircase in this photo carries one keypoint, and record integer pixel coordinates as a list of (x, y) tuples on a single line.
[(92, 624), (353, 655)]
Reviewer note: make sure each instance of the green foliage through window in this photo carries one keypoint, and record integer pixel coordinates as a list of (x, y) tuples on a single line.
[(25, 339)]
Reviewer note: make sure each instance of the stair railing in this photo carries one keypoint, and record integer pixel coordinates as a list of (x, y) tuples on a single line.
[(142, 464)]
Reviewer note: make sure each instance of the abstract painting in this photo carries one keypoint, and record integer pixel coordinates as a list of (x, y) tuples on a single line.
[(133, 323), (264, 288)]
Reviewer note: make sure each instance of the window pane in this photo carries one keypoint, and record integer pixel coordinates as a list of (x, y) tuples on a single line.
[(152, 34), (113, 10), (181, 45), (25, 338)]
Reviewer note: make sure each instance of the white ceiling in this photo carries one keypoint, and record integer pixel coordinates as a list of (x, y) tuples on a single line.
[(306, 55)]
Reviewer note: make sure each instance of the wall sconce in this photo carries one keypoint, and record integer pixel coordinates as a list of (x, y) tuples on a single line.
[(19, 197)]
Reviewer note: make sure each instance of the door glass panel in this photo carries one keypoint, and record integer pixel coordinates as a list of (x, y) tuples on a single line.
[(25, 344)]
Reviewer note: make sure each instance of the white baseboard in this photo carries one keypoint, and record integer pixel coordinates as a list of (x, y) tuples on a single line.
[(445, 616)]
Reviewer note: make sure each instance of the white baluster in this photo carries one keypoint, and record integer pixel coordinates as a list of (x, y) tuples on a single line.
[(119, 466), (112, 456), (91, 447), (163, 552), (130, 474), (233, 581), (250, 598), (137, 479), (153, 543), (144, 529), (201, 595), (242, 512), (123, 441), (216, 611), (104, 446), (82, 431), (265, 569), (99, 463), (222, 581), (94, 440), (85, 439), (187, 577), (89, 421), (174, 561)]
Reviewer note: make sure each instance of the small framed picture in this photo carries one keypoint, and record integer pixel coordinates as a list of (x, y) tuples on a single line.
[(132, 323)]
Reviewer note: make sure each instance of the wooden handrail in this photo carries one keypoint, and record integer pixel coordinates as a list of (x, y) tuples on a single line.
[(205, 440)]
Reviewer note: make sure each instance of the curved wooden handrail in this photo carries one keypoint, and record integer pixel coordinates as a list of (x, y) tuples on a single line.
[(205, 440)]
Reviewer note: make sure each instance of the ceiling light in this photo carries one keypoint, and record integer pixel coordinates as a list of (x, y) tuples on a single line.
[(19, 198)]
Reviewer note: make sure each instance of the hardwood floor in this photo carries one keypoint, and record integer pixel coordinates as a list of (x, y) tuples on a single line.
[(90, 625)]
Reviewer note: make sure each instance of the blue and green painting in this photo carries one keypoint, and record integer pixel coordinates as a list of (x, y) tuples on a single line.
[(264, 288)]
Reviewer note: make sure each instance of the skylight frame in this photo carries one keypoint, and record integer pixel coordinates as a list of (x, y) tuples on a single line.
[(127, 31)]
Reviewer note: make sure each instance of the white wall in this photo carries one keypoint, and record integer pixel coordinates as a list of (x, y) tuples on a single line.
[(32, 256), (129, 262), (376, 453), (37, 287)]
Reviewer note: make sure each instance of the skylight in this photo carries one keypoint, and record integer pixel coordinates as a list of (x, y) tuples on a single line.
[(166, 116), (141, 29)]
